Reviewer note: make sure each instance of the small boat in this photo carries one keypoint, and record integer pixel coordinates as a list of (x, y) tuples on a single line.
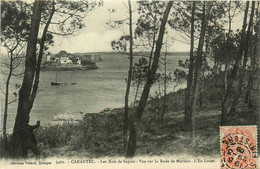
[(58, 83), (55, 83)]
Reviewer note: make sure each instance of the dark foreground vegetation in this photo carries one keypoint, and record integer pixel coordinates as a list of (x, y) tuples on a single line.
[(100, 134), (222, 75)]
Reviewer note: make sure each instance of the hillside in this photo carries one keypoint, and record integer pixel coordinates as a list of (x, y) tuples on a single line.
[(100, 134)]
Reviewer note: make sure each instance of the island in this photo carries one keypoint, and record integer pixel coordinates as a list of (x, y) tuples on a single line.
[(66, 61)]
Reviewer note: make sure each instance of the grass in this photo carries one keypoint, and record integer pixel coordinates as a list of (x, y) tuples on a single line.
[(100, 134)]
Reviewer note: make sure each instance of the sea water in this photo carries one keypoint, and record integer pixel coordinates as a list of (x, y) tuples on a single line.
[(95, 90)]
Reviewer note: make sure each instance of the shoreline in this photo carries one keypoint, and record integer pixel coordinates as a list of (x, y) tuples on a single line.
[(99, 135), (73, 117), (49, 66)]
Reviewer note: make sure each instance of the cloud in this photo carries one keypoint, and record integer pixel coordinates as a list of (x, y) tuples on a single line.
[(95, 37)]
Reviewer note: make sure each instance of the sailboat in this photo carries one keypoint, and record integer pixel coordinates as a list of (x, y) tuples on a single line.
[(56, 83)]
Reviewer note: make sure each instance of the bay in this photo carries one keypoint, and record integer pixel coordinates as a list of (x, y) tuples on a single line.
[(95, 90)]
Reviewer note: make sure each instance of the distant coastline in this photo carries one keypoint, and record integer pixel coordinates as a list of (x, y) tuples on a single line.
[(184, 53), (47, 66)]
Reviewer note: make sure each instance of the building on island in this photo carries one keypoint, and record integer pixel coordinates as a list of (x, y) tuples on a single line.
[(77, 59)]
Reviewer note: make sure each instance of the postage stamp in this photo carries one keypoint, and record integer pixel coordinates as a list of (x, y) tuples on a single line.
[(238, 146)]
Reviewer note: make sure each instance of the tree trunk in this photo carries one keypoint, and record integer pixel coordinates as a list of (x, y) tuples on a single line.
[(150, 80), (224, 110), (19, 136), (228, 49), (243, 70), (204, 63), (190, 76), (253, 56), (153, 44), (129, 76), (165, 82), (7, 96), (137, 90), (201, 90), (227, 94), (39, 60), (257, 46), (198, 65), (249, 85)]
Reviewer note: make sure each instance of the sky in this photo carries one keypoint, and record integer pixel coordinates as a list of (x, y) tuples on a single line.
[(92, 38), (96, 36)]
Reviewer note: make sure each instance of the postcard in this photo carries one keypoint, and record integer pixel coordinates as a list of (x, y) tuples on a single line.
[(129, 84)]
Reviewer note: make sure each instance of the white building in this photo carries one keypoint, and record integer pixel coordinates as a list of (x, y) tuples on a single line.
[(48, 58)]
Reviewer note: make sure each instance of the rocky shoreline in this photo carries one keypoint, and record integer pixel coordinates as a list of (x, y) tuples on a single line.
[(67, 67), (80, 116), (98, 135)]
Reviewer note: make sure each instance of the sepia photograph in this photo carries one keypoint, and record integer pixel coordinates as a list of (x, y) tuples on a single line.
[(129, 84)]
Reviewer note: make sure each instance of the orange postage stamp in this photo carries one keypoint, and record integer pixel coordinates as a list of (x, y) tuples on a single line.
[(238, 146)]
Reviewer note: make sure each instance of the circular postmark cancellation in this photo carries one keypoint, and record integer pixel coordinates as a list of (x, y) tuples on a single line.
[(238, 146)]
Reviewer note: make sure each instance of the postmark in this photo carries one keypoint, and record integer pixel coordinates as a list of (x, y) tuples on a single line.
[(238, 146)]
